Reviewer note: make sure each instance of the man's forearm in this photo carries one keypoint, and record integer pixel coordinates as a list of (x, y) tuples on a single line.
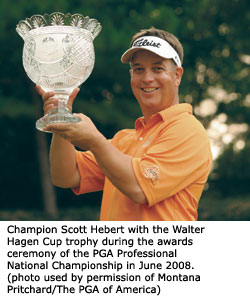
[(117, 166), (63, 166)]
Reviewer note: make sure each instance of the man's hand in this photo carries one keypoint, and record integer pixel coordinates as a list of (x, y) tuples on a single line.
[(63, 168), (83, 134), (50, 100), (116, 165)]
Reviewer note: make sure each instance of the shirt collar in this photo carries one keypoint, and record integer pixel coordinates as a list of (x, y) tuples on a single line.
[(165, 115)]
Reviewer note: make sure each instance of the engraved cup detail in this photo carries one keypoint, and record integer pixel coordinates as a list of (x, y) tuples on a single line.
[(58, 55)]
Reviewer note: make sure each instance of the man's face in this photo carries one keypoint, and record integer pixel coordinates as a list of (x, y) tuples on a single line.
[(154, 82)]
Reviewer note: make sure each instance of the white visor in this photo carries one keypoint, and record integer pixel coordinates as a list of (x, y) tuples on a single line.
[(153, 44)]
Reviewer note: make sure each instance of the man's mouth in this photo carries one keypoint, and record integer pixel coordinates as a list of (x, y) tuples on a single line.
[(149, 90)]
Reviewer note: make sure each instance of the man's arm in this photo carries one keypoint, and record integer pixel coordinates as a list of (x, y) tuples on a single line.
[(116, 165), (63, 167)]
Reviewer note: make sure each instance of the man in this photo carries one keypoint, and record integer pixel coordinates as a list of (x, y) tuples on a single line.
[(154, 172)]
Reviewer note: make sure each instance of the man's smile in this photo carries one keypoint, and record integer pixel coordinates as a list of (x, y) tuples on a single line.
[(149, 90)]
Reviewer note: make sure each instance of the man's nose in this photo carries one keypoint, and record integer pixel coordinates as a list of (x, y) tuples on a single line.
[(148, 76)]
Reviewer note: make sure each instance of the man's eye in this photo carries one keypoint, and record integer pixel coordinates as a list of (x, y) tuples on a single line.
[(136, 70), (158, 69)]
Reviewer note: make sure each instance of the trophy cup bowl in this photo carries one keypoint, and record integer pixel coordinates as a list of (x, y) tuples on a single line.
[(58, 55)]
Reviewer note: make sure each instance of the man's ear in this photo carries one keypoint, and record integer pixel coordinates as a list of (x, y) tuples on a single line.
[(178, 75)]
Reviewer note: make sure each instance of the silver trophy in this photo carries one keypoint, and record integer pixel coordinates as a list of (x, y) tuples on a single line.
[(58, 55)]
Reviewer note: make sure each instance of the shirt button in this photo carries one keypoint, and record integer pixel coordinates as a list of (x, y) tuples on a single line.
[(141, 138)]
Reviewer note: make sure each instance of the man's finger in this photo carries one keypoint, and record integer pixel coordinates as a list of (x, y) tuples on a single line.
[(47, 95), (57, 127), (72, 96), (80, 116), (39, 90), (48, 107)]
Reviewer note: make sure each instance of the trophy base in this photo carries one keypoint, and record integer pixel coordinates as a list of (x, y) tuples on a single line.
[(56, 116)]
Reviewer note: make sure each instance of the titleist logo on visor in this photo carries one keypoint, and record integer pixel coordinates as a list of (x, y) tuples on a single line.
[(145, 42)]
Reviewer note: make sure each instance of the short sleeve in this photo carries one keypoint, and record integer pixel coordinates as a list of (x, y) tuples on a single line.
[(92, 177), (179, 157)]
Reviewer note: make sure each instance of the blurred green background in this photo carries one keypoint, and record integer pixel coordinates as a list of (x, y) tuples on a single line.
[(215, 37)]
